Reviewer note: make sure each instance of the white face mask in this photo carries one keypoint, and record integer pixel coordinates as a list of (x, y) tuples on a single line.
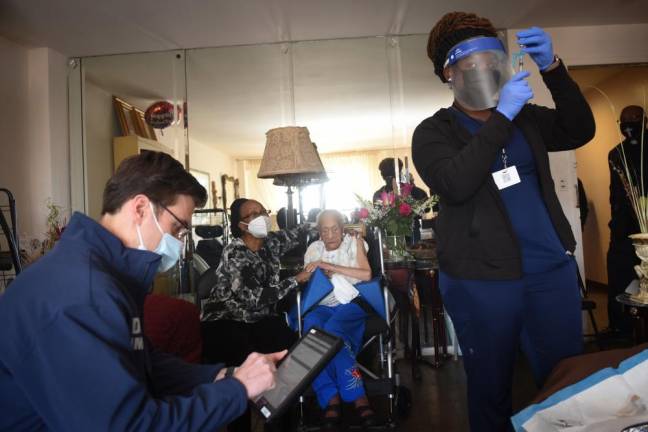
[(169, 247), (259, 227)]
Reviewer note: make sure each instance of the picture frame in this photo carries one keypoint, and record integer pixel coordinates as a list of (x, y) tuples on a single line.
[(231, 183), (145, 130), (127, 121)]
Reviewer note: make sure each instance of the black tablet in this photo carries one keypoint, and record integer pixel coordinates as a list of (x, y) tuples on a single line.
[(297, 370)]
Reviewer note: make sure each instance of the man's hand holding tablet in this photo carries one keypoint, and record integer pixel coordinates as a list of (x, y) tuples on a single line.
[(257, 373)]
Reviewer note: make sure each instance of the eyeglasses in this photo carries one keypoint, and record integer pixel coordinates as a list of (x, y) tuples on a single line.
[(182, 232)]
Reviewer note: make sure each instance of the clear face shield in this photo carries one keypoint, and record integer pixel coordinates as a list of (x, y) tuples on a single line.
[(478, 69)]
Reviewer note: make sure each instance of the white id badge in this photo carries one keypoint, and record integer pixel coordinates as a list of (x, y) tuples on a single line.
[(506, 177)]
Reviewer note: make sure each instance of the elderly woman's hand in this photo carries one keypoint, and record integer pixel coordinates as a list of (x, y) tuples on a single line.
[(311, 267)]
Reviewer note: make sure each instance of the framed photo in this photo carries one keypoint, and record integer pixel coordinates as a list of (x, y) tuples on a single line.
[(127, 121), (145, 130)]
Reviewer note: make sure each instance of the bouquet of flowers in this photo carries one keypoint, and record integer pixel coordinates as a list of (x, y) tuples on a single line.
[(394, 213)]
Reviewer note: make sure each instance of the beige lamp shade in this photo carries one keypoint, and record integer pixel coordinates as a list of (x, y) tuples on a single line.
[(291, 158)]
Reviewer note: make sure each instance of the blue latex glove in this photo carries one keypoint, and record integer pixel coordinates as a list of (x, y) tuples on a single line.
[(515, 93), (537, 43)]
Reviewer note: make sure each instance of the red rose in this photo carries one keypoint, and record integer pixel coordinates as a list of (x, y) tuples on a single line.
[(405, 209), (363, 213)]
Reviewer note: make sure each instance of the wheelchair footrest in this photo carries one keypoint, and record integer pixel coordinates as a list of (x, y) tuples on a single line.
[(379, 387)]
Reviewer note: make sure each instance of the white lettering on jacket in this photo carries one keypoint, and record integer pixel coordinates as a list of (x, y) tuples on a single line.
[(137, 340)]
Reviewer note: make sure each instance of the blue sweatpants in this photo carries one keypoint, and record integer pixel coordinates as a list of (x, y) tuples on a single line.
[(541, 312), (341, 376)]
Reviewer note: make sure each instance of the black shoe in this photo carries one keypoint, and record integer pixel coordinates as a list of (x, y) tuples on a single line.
[(332, 418), (367, 416)]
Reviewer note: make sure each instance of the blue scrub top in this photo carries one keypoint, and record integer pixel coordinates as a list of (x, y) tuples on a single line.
[(540, 246)]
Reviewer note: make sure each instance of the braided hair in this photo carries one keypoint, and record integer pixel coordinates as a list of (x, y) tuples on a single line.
[(451, 29)]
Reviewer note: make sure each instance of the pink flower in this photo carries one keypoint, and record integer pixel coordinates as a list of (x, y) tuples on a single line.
[(363, 213), (406, 189), (404, 209), (387, 198)]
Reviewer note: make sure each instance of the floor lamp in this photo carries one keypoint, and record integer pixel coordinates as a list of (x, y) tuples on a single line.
[(291, 159)]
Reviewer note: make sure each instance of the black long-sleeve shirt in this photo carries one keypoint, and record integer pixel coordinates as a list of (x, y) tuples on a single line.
[(475, 239)]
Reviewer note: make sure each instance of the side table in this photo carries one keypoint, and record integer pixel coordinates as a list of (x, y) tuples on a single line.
[(639, 313)]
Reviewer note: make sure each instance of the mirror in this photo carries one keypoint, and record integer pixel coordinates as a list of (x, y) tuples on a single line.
[(235, 95), (360, 99), (342, 96), (117, 90)]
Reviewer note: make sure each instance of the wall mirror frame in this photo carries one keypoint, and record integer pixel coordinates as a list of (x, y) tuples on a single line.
[(231, 184)]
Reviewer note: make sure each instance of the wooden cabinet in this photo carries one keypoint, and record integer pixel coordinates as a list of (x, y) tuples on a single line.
[(131, 145)]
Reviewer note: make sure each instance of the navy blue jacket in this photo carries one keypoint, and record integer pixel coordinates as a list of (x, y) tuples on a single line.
[(73, 356)]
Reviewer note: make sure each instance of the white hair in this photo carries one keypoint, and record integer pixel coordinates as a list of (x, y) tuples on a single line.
[(339, 218)]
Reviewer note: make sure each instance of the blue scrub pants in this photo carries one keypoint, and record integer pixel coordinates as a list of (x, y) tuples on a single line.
[(541, 312), (341, 376)]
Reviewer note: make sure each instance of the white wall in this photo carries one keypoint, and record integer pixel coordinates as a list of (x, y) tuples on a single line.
[(206, 158), (580, 46), (100, 128), (34, 149), (14, 125)]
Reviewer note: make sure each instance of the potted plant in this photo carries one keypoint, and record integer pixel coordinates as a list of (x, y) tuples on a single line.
[(55, 226)]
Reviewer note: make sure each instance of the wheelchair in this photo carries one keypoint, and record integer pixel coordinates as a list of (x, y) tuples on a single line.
[(380, 376), (376, 356), (203, 255)]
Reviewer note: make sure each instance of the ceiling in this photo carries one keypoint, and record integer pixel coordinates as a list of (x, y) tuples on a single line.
[(237, 92), (95, 27)]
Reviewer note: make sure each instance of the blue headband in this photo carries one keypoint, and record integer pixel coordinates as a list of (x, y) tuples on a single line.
[(470, 46)]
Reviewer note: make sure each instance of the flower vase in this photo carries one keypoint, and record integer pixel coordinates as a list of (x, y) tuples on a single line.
[(640, 243), (395, 248)]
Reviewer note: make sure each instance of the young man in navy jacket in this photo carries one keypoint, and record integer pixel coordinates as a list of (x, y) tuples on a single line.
[(72, 352)]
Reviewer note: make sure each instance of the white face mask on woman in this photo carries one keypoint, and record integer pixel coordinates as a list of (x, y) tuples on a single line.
[(259, 227)]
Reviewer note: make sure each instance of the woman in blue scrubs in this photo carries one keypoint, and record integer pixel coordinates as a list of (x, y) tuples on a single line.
[(507, 273)]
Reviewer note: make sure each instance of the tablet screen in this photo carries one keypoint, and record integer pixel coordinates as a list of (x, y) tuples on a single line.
[(300, 366)]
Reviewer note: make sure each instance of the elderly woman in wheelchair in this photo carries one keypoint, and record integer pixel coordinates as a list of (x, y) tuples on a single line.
[(342, 312)]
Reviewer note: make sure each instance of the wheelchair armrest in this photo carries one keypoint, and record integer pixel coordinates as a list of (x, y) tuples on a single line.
[(373, 293)]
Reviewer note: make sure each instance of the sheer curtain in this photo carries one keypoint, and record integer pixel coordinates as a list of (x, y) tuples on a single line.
[(350, 173)]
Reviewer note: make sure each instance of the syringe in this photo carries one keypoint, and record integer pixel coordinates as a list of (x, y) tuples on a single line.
[(517, 60)]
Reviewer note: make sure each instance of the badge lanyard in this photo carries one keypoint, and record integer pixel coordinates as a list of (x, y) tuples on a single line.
[(508, 176)]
